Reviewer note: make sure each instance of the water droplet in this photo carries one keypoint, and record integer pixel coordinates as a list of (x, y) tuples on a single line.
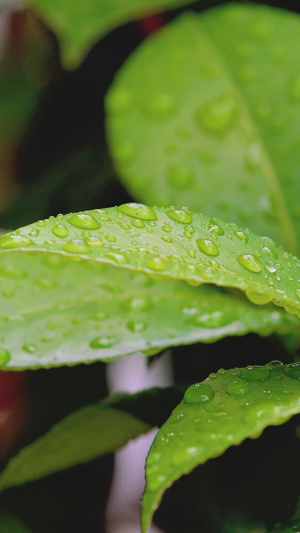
[(60, 230), (140, 211), (274, 365), (198, 393), (94, 241), (294, 89), (180, 216), (257, 298), (84, 221), (136, 326), (167, 238), (41, 223), (270, 267), (4, 356), (115, 257), (137, 223), (269, 251), (191, 253), (167, 228), (238, 387), (215, 319), (208, 247), (180, 177), (29, 348), (137, 303), (157, 264), (14, 241), (76, 246), (241, 235), (161, 106), (292, 371), (101, 342), (255, 373), (217, 116), (110, 238), (215, 228), (249, 262), (34, 233)]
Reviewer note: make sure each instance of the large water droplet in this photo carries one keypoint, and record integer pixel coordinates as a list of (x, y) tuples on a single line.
[(101, 342), (140, 211), (255, 373), (238, 387), (208, 247), (4, 356), (217, 116), (249, 262), (138, 223), (180, 177), (157, 264), (179, 215), (257, 298), (60, 230), (198, 393), (292, 370), (14, 241), (84, 221), (77, 246)]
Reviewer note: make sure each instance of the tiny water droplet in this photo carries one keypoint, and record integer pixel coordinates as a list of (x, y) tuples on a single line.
[(292, 371), (101, 342), (167, 228), (141, 211), (217, 116), (255, 373), (198, 393), (208, 247), (60, 230), (4, 356), (180, 215), (215, 319), (84, 221), (249, 262)]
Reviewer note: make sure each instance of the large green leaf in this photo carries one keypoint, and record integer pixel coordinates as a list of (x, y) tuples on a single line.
[(90, 432), (79, 25), (105, 283), (11, 524), (222, 411), (63, 302), (207, 113)]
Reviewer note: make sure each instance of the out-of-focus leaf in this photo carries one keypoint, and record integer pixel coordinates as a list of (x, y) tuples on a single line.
[(222, 411), (80, 25), (90, 432), (104, 283), (206, 114), (11, 524)]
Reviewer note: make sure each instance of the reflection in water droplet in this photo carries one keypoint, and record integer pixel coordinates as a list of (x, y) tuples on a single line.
[(198, 393), (208, 247), (180, 215), (141, 211), (255, 373), (180, 177), (292, 371), (249, 262), (217, 116), (4, 356), (84, 221)]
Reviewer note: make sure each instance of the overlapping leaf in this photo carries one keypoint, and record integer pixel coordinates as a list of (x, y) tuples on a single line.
[(90, 432), (207, 114), (220, 412), (80, 25), (105, 283)]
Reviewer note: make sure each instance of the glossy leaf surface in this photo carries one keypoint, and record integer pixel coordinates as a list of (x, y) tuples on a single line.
[(80, 25), (222, 411), (206, 114), (105, 283), (90, 432)]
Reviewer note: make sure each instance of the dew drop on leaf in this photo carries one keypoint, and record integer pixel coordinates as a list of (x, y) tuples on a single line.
[(138, 223), (110, 238), (257, 298), (215, 228), (60, 230), (136, 326), (84, 221), (208, 247), (198, 393), (180, 215), (14, 241), (77, 246), (241, 235), (217, 116), (29, 348), (167, 238), (238, 387), (249, 262), (292, 370), (157, 264), (141, 211), (4, 356), (101, 342), (255, 373), (167, 228)]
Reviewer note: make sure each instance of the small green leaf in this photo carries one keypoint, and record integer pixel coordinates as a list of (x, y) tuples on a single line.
[(222, 411), (80, 25), (90, 432), (104, 283), (189, 124)]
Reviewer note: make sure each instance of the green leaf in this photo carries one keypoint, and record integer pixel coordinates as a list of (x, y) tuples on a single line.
[(104, 283), (12, 524), (222, 411), (91, 432), (292, 528), (189, 123), (80, 25)]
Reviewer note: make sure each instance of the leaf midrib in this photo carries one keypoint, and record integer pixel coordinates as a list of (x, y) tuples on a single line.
[(269, 171)]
